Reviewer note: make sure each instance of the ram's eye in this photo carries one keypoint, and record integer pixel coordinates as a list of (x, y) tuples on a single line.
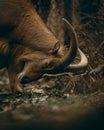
[(48, 65)]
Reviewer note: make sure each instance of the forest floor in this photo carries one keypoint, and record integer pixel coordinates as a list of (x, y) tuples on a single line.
[(64, 102), (54, 103)]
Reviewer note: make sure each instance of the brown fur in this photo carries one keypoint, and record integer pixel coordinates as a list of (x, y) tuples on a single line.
[(27, 46), (24, 61), (21, 28), (19, 22), (20, 59)]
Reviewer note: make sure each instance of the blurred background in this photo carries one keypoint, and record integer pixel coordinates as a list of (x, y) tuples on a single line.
[(87, 17)]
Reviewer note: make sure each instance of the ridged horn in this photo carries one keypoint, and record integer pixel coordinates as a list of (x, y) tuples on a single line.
[(71, 54)]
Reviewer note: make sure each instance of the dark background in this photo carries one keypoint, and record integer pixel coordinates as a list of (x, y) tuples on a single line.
[(66, 101)]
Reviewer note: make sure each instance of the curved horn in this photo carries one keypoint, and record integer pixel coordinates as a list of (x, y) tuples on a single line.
[(68, 58), (81, 65)]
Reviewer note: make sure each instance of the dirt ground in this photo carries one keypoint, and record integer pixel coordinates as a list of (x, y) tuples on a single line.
[(67, 101), (51, 104)]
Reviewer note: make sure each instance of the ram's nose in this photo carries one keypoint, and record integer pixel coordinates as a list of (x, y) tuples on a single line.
[(24, 80)]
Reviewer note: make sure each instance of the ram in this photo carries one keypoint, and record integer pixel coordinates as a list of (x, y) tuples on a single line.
[(28, 49)]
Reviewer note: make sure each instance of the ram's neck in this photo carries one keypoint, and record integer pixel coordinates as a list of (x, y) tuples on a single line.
[(32, 32)]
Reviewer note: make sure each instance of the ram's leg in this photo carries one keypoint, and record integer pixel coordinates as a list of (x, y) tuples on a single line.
[(14, 83)]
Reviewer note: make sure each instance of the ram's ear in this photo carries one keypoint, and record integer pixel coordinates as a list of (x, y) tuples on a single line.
[(56, 48)]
